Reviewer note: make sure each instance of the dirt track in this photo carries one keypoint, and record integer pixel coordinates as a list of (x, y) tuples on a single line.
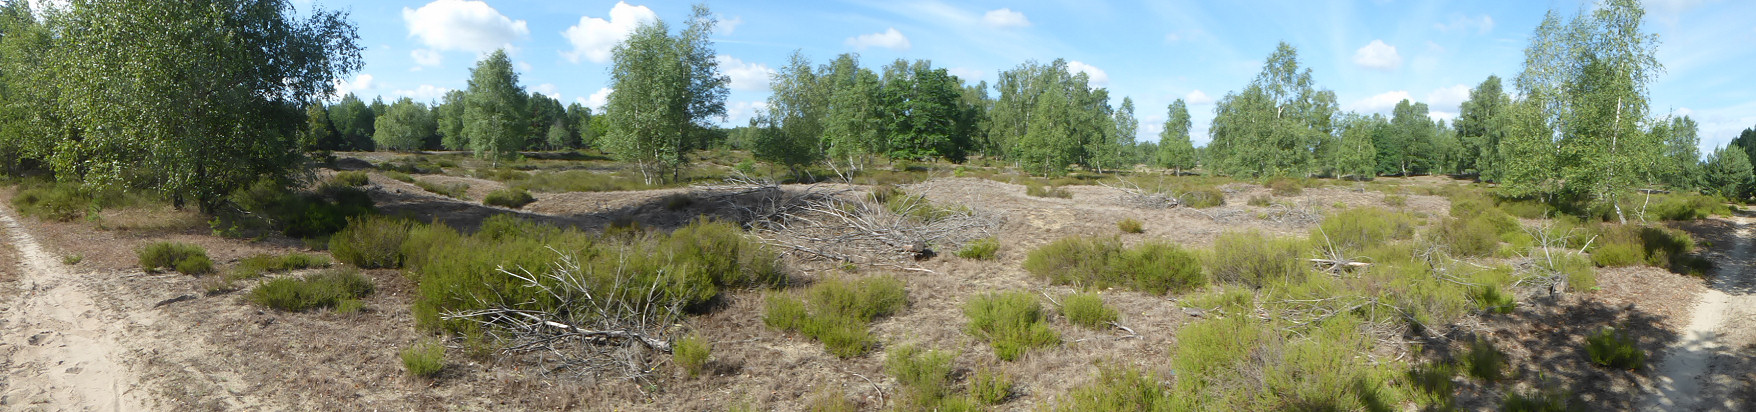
[(1700, 371), (60, 351)]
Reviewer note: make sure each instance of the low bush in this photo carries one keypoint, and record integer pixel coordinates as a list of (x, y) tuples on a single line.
[(1686, 206), (1491, 298), (54, 201), (424, 359), (1624, 245), (1131, 225), (990, 387), (1244, 363), (925, 375), (1354, 229), (678, 202), (1152, 267), (980, 249), (1256, 260), (1088, 310), (838, 312), (1615, 349), (1483, 361), (182, 257), (1467, 237), (510, 197), (399, 176), (371, 242), (301, 215), (354, 179), (1396, 200), (1119, 389), (1202, 198), (1038, 190), (1011, 322), (1434, 381), (691, 353), (455, 190), (1547, 400), (254, 266), (328, 289)]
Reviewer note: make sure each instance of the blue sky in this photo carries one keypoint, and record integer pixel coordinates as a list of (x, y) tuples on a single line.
[(1372, 53)]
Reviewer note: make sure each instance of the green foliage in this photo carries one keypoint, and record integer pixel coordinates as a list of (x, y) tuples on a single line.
[(1034, 189), (59, 202), (183, 257), (511, 197), (664, 86), (1245, 363), (1468, 237), (371, 242), (404, 126), (493, 121), (1396, 200), (424, 359), (1613, 348), (72, 259), (1493, 299), (256, 265), (1130, 225), (990, 386), (925, 375), (1285, 187), (1686, 206), (836, 312), (1484, 361), (1728, 173), (1270, 127), (1088, 310), (302, 215), (1434, 381), (455, 190), (1011, 323), (1256, 260), (1356, 229), (1623, 245), (1546, 400), (1119, 388), (980, 249), (1175, 150), (327, 289), (1151, 267), (354, 179), (399, 176), (691, 353), (1203, 198)]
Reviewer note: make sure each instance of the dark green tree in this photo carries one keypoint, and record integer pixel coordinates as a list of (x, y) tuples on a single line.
[(494, 122)]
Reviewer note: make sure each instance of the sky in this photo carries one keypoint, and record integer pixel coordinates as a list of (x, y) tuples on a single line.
[(1372, 53)]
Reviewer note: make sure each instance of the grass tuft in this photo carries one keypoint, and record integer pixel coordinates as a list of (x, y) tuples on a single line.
[(352, 179), (980, 249), (837, 312), (182, 257), (1011, 322), (1151, 267), (510, 197), (1034, 189), (1483, 361), (1612, 348), (691, 352), (371, 242), (990, 387), (925, 375), (1131, 225), (1118, 389), (326, 289), (424, 359), (1087, 310), (1256, 260)]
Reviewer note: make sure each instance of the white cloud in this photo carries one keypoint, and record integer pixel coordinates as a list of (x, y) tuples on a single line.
[(1378, 55), (1482, 25), (593, 38), (1381, 103), (523, 66), (967, 74), (548, 89), (427, 57), (463, 25), (745, 76), (1448, 117), (727, 26), (1098, 76), (1197, 98), (739, 113), (425, 93), (597, 100), (1448, 97), (361, 82), (889, 39), (1005, 18)]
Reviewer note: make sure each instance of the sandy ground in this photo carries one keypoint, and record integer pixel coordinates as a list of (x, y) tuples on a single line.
[(1704, 370)]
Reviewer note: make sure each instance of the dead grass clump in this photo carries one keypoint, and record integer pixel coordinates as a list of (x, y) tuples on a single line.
[(1011, 322), (838, 312), (329, 289), (1034, 189), (1256, 260), (1088, 310), (183, 257)]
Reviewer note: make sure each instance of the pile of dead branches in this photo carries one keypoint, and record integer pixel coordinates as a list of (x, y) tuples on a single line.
[(622, 329), (844, 225)]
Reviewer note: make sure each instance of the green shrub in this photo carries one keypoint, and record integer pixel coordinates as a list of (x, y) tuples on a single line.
[(318, 290), (254, 266), (354, 179), (838, 312), (1256, 260), (371, 242), (301, 215), (510, 197), (1434, 380), (1202, 198), (990, 387), (1355, 229), (455, 190), (399, 176), (1131, 225), (1088, 310), (1612, 348), (1624, 245), (1468, 237), (980, 249), (925, 375), (1491, 298), (1396, 200), (1688, 206), (1152, 267), (72, 259), (1037, 190), (424, 359), (583, 181), (182, 257), (691, 353), (1260, 201), (1118, 389), (1284, 187), (1484, 361), (1011, 322), (1549, 400), (55, 201), (678, 202)]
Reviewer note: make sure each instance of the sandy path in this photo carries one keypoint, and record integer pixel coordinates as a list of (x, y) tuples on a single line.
[(63, 353), (1693, 376)]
